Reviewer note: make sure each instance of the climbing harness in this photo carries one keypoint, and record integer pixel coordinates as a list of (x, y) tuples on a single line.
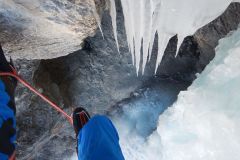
[(46, 99)]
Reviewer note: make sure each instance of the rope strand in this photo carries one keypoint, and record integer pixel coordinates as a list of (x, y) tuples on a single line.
[(46, 99)]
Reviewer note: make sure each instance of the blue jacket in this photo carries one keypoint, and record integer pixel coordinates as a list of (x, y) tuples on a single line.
[(7, 125), (98, 140)]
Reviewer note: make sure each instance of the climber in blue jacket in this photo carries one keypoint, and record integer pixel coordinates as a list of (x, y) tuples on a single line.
[(7, 112), (97, 138)]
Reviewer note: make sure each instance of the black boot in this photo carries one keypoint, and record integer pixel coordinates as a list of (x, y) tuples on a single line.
[(80, 118)]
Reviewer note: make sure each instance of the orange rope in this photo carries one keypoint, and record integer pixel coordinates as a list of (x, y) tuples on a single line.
[(46, 99), (13, 156)]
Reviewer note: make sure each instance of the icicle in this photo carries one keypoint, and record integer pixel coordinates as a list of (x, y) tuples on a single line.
[(96, 15), (146, 33), (138, 30), (179, 43), (155, 16), (128, 21), (113, 14), (163, 39), (151, 45)]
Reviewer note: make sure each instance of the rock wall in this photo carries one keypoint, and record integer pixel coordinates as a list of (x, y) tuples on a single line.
[(45, 29), (208, 36)]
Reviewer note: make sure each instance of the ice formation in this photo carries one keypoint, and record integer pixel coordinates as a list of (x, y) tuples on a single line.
[(204, 122), (145, 18)]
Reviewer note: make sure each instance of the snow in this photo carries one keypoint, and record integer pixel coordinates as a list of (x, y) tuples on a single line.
[(204, 122), (144, 18)]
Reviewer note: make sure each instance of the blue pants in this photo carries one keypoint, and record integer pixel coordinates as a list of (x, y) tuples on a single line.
[(98, 140)]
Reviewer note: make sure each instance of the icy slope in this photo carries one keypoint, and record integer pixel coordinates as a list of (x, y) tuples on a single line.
[(204, 123), (144, 18)]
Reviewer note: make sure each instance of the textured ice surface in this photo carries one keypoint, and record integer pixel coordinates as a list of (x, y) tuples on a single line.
[(144, 18), (204, 122)]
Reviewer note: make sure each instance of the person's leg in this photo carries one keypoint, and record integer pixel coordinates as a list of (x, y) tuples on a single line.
[(7, 112), (8, 81), (98, 139)]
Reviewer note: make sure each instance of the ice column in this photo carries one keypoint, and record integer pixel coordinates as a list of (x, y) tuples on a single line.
[(145, 18)]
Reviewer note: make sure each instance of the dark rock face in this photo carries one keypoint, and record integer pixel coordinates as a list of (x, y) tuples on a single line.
[(97, 77), (208, 36), (182, 67), (39, 127)]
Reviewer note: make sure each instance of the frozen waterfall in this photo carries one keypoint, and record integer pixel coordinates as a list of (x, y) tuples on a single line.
[(204, 122), (145, 18)]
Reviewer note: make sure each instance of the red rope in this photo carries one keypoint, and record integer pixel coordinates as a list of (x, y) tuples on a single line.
[(46, 99)]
